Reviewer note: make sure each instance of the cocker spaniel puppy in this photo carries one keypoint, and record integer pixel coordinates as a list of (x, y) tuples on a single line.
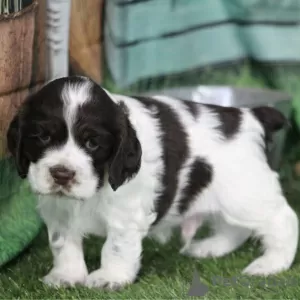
[(130, 167)]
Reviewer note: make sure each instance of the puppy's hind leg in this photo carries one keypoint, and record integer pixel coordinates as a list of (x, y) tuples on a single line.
[(280, 239), (226, 238), (189, 228)]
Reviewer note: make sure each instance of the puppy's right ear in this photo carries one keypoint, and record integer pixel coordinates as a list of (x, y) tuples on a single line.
[(15, 146)]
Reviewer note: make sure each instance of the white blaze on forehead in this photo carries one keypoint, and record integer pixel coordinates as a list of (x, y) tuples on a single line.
[(73, 96)]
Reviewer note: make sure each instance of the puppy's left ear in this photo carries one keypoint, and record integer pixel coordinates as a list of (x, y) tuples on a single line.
[(126, 161), (15, 146)]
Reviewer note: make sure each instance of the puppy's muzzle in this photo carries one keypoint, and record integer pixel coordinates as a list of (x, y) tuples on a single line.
[(62, 175)]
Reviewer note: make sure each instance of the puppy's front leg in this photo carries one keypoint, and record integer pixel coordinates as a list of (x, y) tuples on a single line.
[(120, 260), (69, 267)]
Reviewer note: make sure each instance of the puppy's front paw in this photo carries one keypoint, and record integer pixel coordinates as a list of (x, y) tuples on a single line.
[(57, 278), (107, 280)]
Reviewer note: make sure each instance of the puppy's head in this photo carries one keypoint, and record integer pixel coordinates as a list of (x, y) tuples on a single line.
[(69, 135)]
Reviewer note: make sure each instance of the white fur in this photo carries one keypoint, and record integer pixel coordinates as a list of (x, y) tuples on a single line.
[(244, 198)]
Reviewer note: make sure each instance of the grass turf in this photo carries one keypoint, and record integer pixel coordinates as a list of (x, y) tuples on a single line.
[(165, 274)]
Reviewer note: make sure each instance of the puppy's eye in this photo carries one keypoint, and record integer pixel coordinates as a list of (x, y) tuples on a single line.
[(45, 139), (92, 144), (40, 134)]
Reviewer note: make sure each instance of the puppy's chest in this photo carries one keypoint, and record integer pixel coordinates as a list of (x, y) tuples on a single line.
[(93, 216), (72, 215), (88, 219)]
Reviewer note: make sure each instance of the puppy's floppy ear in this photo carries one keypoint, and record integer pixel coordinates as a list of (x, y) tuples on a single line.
[(126, 160), (15, 146)]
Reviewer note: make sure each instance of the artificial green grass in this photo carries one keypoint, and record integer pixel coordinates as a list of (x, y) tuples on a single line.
[(165, 274)]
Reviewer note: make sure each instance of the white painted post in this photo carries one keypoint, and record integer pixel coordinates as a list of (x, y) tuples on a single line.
[(57, 36)]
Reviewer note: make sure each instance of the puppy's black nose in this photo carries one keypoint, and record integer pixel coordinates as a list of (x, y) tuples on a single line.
[(61, 174)]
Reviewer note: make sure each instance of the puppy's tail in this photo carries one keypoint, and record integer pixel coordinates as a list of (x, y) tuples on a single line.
[(270, 118)]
